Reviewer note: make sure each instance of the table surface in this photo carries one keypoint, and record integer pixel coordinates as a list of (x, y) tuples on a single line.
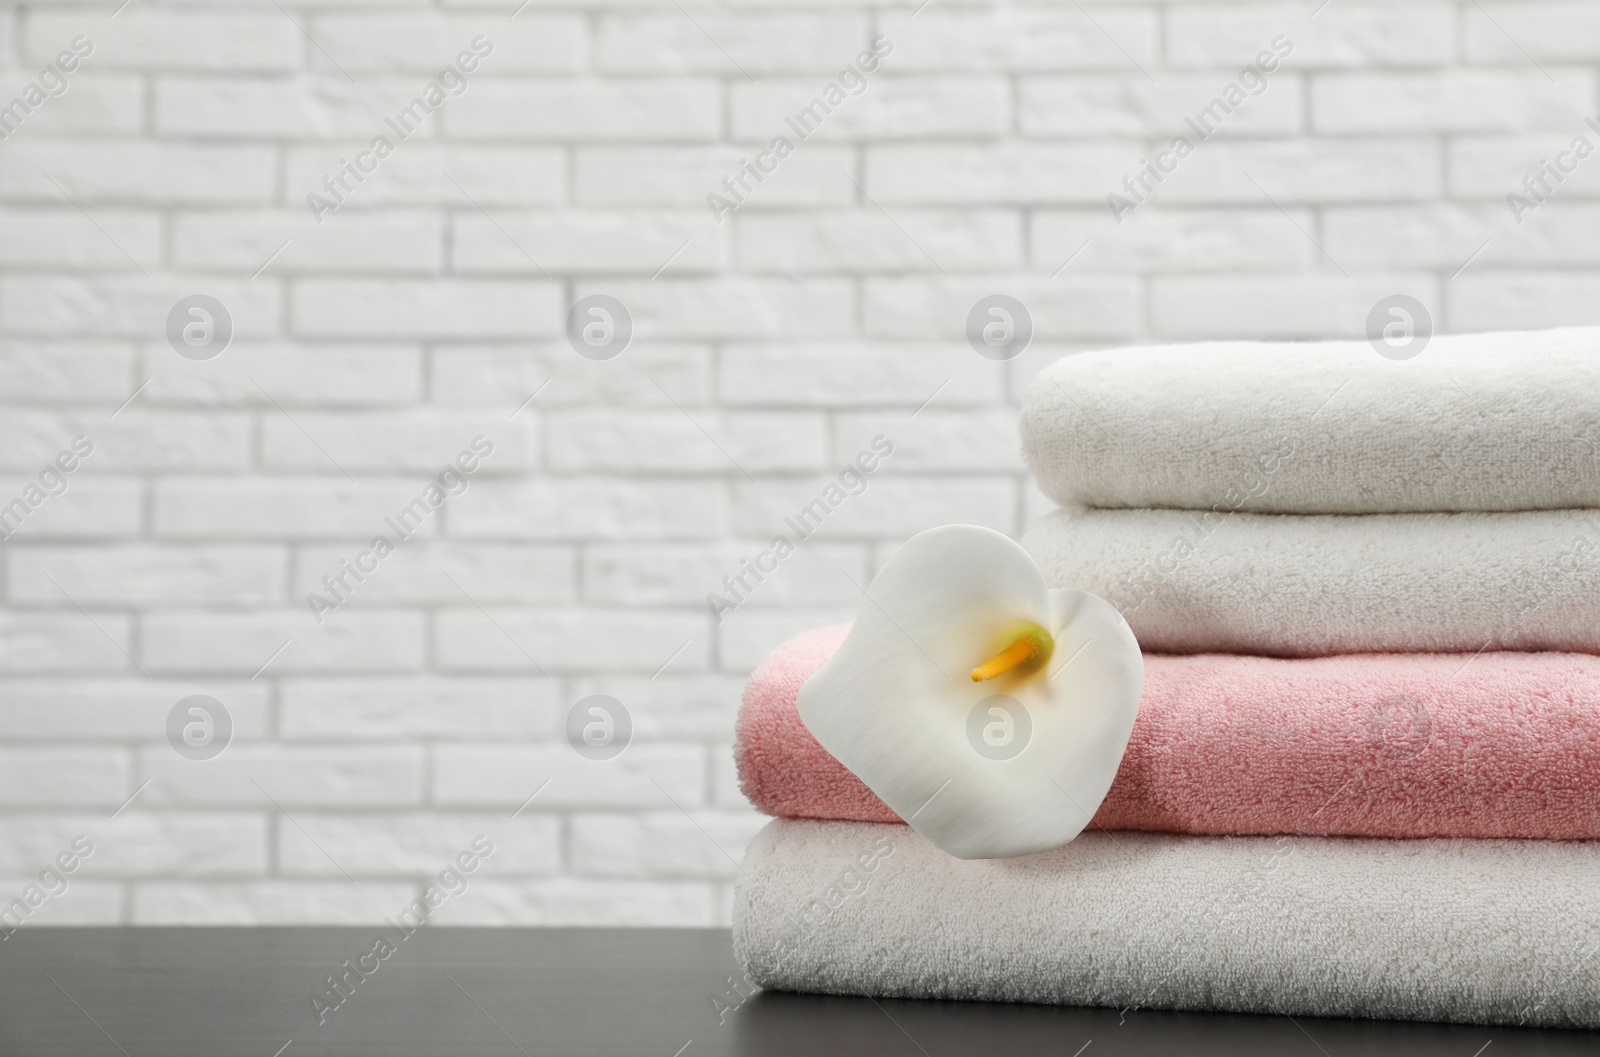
[(218, 992)]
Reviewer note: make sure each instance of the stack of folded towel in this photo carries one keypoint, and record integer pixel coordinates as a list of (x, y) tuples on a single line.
[(1365, 775)]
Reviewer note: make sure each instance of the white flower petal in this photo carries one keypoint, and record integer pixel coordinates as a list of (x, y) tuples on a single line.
[(896, 704)]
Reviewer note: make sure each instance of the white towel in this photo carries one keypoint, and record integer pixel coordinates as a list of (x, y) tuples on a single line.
[(1474, 422), (1460, 930), (1291, 585)]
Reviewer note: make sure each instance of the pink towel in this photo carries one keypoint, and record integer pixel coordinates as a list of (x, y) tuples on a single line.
[(1372, 745)]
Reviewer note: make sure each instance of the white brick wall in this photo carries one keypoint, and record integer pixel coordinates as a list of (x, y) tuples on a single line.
[(768, 349)]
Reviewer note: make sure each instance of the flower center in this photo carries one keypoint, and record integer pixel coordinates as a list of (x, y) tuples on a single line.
[(1028, 642)]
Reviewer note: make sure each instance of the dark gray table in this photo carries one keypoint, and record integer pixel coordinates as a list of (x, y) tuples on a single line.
[(211, 992)]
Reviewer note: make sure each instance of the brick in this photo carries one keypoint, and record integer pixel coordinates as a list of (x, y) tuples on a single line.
[(268, 903), (1022, 39), (408, 309), (733, 307), (1130, 105), (729, 42), (1343, 35), (422, 708), (137, 172), (938, 440), (90, 508), (634, 242), (696, 706), (377, 441), (91, 105), (574, 902), (1522, 300), (171, 40), (494, 376), (684, 574), (136, 439), (658, 110), (643, 775), (725, 780), (295, 108), (1323, 304), (294, 243), (66, 238), (704, 844), (302, 373), (1157, 239), (1494, 166), (430, 573), (140, 844), (856, 374), (148, 576), (92, 903), (80, 371), (745, 637), (280, 507), (895, 507), (420, 846), (242, 643), (673, 441), (899, 108), (559, 640), (422, 174), (1065, 307), (132, 708), (1446, 235), (66, 642), (866, 240), (299, 776), (425, 43), (1449, 101), (1012, 173), (127, 304), (814, 174), (1302, 172), (594, 508), (1564, 31), (52, 777)]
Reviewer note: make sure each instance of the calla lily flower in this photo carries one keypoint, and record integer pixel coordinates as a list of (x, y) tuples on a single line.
[(984, 708)]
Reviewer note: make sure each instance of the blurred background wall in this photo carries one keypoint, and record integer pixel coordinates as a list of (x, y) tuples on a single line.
[(273, 333)]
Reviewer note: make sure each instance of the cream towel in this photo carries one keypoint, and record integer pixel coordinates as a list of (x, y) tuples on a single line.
[(1474, 422), (1288, 585), (1487, 931)]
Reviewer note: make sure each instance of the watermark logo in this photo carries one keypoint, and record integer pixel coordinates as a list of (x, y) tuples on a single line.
[(51, 82), (599, 327), (199, 327), (1399, 327), (599, 727), (1199, 127), (341, 183), (199, 727), (999, 727), (1399, 726), (999, 327), (852, 481), (1541, 183), (449, 483), (52, 482), (739, 185)]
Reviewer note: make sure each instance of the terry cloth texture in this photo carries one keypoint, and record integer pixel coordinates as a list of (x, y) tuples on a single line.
[(1386, 745), (1501, 932), (1307, 585), (1475, 422)]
